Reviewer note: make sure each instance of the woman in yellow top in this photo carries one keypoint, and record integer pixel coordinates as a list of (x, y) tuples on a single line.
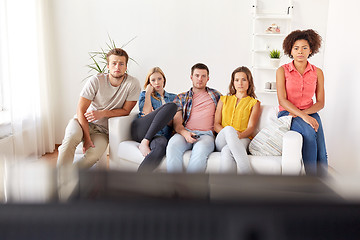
[(236, 118)]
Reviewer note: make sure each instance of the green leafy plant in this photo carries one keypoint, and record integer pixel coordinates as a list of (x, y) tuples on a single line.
[(274, 53), (98, 58)]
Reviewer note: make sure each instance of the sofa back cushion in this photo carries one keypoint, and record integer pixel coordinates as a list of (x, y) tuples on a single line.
[(269, 141), (268, 113)]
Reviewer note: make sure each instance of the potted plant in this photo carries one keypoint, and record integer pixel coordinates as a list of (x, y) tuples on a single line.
[(275, 57)]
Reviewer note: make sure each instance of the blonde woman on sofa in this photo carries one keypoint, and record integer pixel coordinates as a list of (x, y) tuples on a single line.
[(152, 127), (297, 82), (236, 118)]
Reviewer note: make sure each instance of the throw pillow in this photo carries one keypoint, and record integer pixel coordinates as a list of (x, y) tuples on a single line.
[(268, 142)]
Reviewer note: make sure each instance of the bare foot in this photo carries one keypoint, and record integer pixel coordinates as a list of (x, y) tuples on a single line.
[(144, 147)]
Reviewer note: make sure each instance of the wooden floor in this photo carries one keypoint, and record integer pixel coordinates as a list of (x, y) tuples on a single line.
[(51, 157)]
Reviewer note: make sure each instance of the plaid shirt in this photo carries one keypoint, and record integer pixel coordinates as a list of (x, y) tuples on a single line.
[(184, 101)]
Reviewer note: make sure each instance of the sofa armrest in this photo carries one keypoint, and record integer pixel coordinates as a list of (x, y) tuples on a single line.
[(119, 131), (291, 163)]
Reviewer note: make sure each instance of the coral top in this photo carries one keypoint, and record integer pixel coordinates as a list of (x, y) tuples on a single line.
[(238, 115), (300, 89), (202, 113)]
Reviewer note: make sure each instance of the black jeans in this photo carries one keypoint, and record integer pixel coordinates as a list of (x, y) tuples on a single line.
[(147, 127)]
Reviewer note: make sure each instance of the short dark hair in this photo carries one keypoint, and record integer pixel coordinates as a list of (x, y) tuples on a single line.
[(199, 66), (118, 52), (313, 38)]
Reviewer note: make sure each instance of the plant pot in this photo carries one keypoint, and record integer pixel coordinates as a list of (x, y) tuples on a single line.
[(275, 62)]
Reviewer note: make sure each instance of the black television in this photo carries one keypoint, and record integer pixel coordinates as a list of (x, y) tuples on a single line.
[(123, 205)]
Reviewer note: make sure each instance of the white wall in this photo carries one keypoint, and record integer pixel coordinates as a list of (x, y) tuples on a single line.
[(341, 68), (171, 34)]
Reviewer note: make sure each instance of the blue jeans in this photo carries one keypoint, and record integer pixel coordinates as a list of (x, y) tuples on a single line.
[(201, 150), (314, 148)]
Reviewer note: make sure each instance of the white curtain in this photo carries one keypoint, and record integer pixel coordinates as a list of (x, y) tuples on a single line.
[(27, 76)]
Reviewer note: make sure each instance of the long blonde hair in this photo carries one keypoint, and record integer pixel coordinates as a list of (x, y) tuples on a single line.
[(147, 82)]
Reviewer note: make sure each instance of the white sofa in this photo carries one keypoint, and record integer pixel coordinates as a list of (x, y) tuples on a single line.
[(125, 155)]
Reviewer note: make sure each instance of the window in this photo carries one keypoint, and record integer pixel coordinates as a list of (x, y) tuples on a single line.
[(1, 90), (1, 68), (5, 128), (2, 96), (2, 54)]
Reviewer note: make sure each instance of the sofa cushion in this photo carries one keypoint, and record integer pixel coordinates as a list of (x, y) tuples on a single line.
[(213, 164), (129, 150), (268, 113), (126, 156), (268, 142), (268, 165)]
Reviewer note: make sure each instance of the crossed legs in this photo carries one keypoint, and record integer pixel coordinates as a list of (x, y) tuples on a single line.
[(144, 130)]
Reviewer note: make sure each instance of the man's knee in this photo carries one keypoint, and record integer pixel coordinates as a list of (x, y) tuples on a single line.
[(73, 132), (206, 144), (170, 144), (175, 141), (69, 144), (90, 158)]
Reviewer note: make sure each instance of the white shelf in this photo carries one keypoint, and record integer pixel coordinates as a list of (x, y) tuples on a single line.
[(261, 51), (267, 91), (273, 16), (270, 90), (264, 68), (270, 35), (266, 51), (264, 16)]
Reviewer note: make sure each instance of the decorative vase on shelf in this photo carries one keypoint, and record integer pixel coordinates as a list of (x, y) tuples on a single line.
[(274, 28), (274, 58), (275, 62)]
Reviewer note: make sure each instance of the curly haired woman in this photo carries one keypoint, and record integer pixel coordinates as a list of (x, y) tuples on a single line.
[(297, 82)]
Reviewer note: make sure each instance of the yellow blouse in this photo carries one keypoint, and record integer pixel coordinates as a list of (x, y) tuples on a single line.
[(238, 115)]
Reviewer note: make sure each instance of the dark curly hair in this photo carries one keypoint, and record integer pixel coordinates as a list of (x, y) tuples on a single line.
[(313, 38)]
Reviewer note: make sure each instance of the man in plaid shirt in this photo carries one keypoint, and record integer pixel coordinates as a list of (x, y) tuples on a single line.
[(193, 123)]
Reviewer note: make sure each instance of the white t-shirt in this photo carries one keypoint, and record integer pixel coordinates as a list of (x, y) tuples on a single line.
[(103, 95)]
